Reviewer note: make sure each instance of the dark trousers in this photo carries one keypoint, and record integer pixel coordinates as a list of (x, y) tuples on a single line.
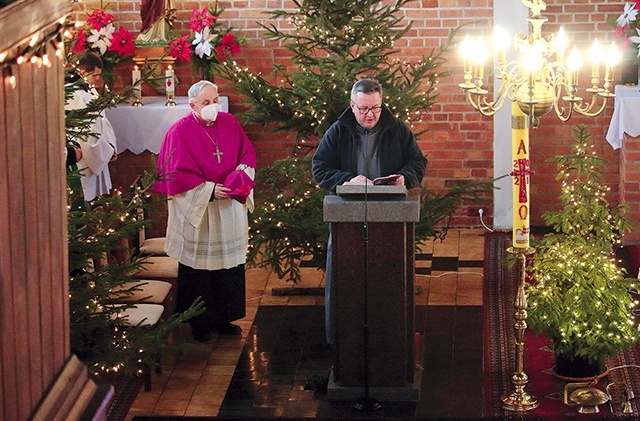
[(223, 292)]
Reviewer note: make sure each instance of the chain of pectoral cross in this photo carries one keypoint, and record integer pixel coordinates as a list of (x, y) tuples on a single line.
[(217, 153)]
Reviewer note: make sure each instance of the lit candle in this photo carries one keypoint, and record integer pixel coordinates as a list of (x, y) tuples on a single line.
[(137, 87), (169, 81), (562, 42), (611, 59), (595, 55), (135, 75), (466, 52), (480, 55), (520, 175), (500, 44), (574, 61)]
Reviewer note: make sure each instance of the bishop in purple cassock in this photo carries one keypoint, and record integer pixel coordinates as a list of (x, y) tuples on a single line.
[(207, 227)]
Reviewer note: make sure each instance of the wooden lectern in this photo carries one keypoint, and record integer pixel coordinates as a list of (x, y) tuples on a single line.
[(389, 215)]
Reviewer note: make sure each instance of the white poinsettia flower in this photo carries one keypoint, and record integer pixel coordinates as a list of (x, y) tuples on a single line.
[(629, 15), (636, 40), (203, 42), (101, 39)]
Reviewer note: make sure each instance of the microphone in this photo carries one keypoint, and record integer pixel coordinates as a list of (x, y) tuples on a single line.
[(366, 403), (365, 162), (365, 170)]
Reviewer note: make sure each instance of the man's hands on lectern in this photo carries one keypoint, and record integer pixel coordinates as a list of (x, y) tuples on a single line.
[(360, 179), (390, 180)]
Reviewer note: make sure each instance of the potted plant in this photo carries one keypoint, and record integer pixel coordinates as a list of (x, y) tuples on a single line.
[(578, 296)]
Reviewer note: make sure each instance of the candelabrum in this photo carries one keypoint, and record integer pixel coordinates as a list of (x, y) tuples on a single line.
[(519, 399), (545, 78)]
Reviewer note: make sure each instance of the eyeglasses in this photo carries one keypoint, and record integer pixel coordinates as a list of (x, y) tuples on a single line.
[(366, 110)]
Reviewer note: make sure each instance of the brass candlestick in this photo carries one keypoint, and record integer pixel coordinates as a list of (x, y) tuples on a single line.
[(170, 99), (137, 96), (519, 399)]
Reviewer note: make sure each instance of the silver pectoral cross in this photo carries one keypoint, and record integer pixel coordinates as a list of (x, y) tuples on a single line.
[(217, 153)]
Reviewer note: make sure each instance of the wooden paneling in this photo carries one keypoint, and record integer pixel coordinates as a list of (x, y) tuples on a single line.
[(22, 19), (14, 304), (7, 349), (34, 319)]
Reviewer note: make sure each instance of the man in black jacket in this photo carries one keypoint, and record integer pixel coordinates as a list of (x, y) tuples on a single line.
[(368, 142), (365, 143)]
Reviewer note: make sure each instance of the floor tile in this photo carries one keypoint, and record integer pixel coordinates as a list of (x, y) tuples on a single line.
[(279, 364)]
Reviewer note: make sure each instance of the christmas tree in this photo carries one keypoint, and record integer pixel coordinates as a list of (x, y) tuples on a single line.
[(331, 45), (580, 297), (101, 265)]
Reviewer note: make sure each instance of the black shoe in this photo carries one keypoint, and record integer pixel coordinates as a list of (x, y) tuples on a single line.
[(201, 334), (228, 329)]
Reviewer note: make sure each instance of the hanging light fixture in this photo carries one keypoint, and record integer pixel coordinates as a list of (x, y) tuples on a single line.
[(544, 78)]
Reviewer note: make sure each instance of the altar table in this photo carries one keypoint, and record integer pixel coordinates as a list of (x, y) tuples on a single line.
[(140, 129), (626, 115)]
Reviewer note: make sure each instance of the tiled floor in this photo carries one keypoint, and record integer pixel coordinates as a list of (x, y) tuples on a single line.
[(271, 370)]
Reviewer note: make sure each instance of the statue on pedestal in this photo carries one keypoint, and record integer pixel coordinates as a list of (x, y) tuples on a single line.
[(157, 20)]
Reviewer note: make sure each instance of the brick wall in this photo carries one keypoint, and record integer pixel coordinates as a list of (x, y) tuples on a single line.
[(630, 187), (458, 141)]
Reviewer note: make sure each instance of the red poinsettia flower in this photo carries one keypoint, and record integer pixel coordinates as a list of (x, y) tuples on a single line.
[(122, 42), (180, 49), (80, 44), (622, 37), (234, 48), (227, 44), (223, 49), (228, 39), (100, 18), (221, 52), (621, 32), (201, 19)]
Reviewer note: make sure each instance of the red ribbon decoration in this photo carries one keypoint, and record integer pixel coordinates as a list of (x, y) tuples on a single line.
[(521, 172)]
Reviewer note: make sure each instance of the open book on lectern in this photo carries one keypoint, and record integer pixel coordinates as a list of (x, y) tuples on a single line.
[(384, 181), (380, 181), (380, 186)]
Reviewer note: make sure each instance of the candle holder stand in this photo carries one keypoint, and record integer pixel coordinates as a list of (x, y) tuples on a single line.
[(137, 102), (519, 399), (170, 100)]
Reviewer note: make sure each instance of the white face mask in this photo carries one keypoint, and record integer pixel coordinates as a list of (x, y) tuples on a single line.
[(209, 113)]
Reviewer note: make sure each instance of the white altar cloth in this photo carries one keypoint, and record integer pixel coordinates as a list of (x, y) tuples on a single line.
[(140, 129), (626, 115)]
